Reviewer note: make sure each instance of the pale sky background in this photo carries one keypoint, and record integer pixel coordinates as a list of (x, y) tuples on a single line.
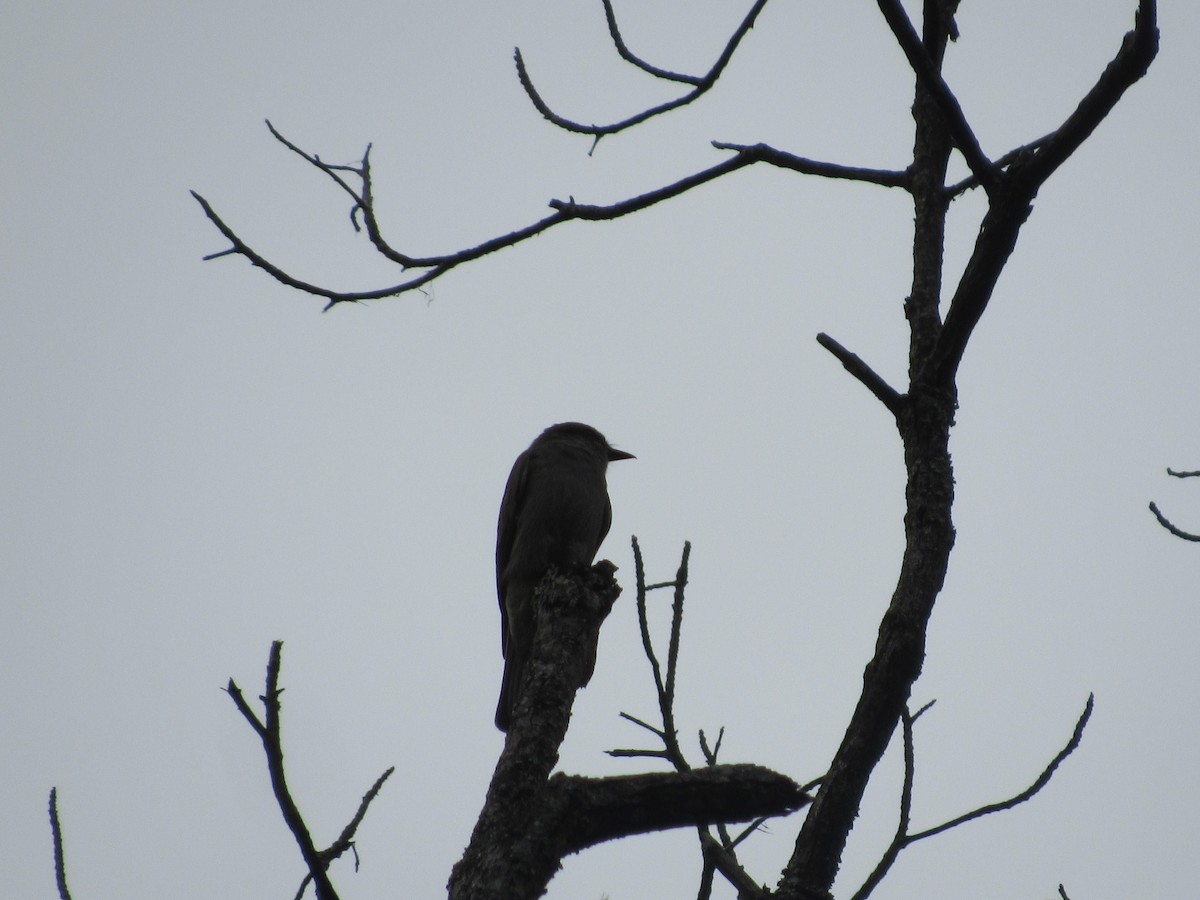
[(196, 461)]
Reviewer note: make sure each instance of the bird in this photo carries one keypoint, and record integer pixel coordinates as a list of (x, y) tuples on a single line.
[(555, 512)]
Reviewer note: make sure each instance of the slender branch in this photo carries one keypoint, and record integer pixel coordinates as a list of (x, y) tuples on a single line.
[(1166, 523), (702, 84), (884, 392), (1008, 209), (60, 866), (345, 840), (681, 580), (564, 211), (629, 57), (719, 852), (436, 266), (664, 687), (984, 170), (639, 571), (1131, 62), (330, 170), (268, 731), (768, 154), (899, 841), (1040, 782), (1175, 474), (719, 858), (904, 838)]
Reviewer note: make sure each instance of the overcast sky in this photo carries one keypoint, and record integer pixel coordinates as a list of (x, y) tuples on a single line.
[(195, 461)]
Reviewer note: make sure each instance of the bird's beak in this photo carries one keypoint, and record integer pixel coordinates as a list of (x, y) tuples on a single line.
[(614, 454)]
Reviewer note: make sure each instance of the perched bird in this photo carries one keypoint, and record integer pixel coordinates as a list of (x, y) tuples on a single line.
[(555, 512)]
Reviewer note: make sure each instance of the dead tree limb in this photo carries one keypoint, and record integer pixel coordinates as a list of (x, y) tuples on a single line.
[(60, 865), (904, 838), (1164, 521), (531, 821), (269, 732), (701, 84)]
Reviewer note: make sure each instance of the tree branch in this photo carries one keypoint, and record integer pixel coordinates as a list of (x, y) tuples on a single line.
[(1166, 523), (516, 842), (602, 809), (721, 860), (436, 266), (564, 211), (929, 74), (345, 840), (1137, 51), (619, 42), (720, 852), (768, 154), (1040, 782), (898, 842), (884, 392), (1009, 208), (702, 84), (904, 839), (269, 732), (60, 866)]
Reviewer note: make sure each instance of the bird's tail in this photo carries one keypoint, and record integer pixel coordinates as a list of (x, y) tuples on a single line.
[(510, 687)]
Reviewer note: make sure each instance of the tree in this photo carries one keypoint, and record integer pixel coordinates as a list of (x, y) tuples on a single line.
[(923, 411)]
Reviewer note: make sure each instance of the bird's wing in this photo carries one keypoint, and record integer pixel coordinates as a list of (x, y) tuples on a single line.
[(605, 524), (506, 533)]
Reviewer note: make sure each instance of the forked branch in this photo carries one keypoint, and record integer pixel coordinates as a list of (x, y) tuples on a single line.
[(268, 731), (433, 267), (701, 84), (1010, 202), (719, 852), (982, 168), (904, 838)]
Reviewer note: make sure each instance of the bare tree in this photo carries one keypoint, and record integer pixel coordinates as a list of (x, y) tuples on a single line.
[(530, 820)]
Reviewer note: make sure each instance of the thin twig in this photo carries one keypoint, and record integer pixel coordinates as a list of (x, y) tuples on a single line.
[(629, 57), (701, 85), (435, 266), (1166, 523), (639, 569), (345, 840), (1041, 781), (730, 868), (719, 854), (268, 731), (900, 839), (327, 168), (772, 156), (60, 866), (903, 838), (1175, 474), (681, 577)]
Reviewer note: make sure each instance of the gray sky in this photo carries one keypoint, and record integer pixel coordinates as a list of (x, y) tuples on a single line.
[(196, 461)]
